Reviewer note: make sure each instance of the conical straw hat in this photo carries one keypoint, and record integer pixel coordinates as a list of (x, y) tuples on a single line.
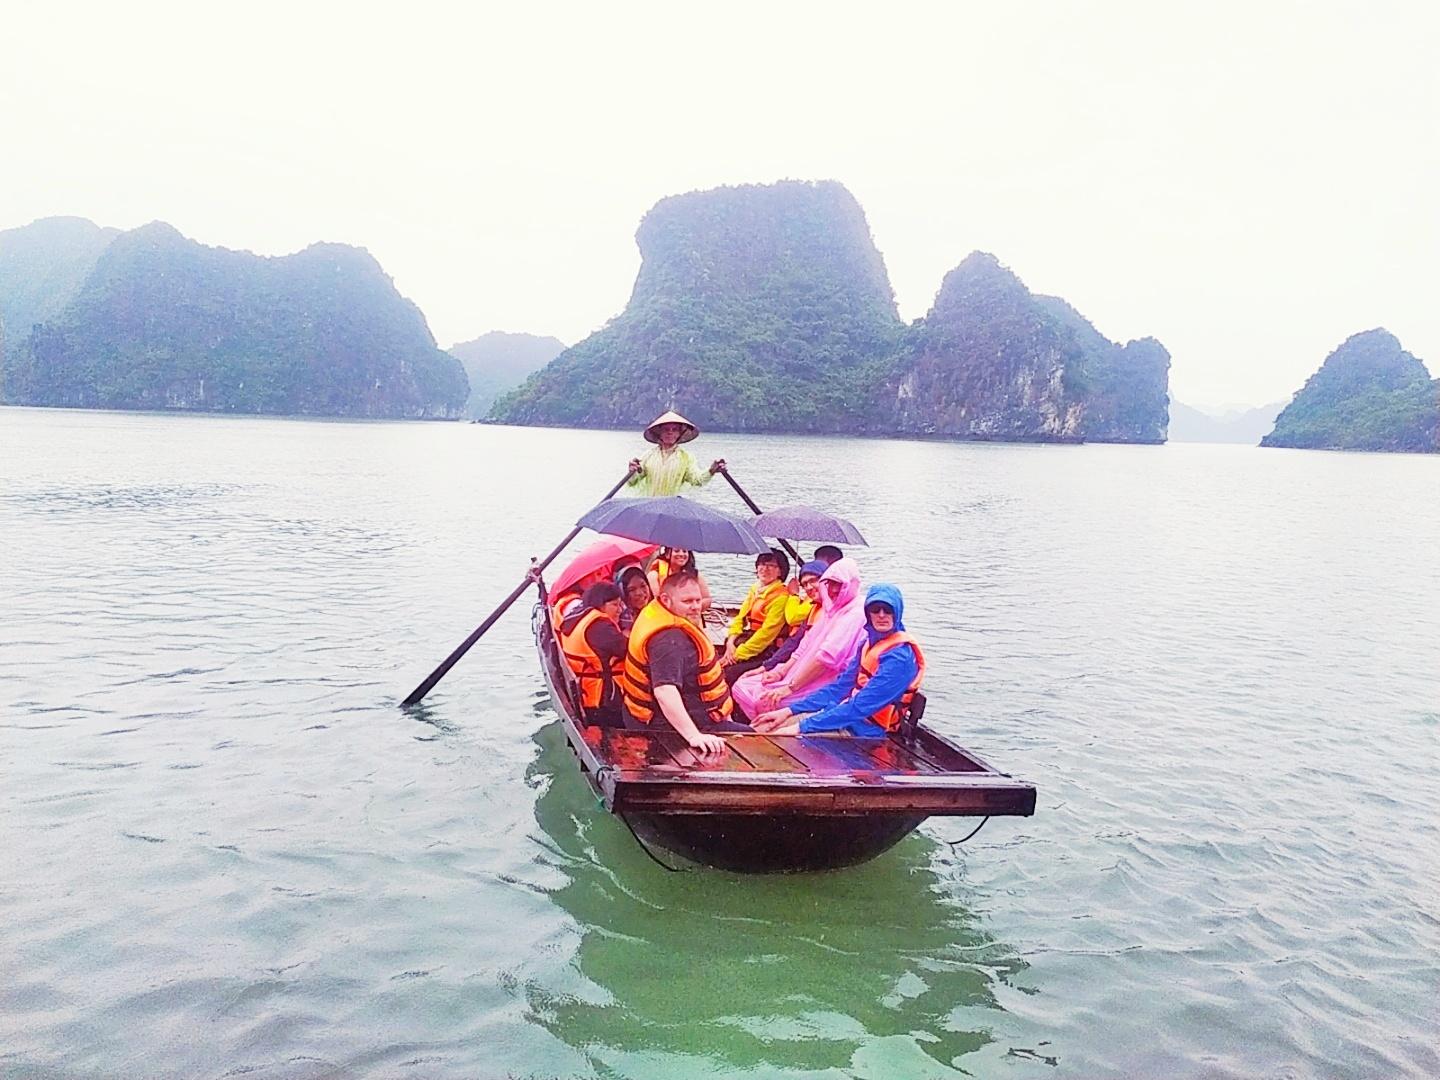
[(671, 418)]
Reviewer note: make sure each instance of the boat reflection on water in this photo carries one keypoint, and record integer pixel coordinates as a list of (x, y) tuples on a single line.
[(698, 970)]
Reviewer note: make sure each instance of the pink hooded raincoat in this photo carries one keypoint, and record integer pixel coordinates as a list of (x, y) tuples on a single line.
[(832, 641)]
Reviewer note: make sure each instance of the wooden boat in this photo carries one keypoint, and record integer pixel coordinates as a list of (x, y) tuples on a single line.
[(776, 803)]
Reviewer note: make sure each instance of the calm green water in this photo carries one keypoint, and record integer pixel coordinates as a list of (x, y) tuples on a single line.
[(224, 851)]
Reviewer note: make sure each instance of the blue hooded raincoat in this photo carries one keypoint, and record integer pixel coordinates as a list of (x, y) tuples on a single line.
[(839, 707)]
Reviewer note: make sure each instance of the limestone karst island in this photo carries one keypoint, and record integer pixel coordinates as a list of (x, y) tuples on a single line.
[(761, 307)]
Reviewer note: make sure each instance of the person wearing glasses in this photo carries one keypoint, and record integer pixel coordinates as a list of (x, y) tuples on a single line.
[(755, 631), (824, 651), (870, 697)]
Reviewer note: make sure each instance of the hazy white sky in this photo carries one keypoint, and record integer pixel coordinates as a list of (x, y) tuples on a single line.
[(1248, 182)]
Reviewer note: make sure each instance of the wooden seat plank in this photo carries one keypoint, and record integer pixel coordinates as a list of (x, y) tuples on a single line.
[(891, 756), (824, 757), (635, 750), (680, 750), (765, 755)]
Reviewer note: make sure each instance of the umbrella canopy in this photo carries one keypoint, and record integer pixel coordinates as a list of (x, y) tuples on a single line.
[(675, 522), (602, 553), (807, 523)]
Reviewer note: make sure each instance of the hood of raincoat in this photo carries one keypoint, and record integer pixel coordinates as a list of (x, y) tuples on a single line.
[(890, 596), (847, 572)]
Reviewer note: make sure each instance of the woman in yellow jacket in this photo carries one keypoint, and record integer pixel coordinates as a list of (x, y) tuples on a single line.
[(755, 631)]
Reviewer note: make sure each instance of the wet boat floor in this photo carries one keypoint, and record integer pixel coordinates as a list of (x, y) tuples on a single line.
[(803, 755)]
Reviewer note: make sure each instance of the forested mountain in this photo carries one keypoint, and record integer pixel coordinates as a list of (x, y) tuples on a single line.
[(498, 362), (754, 309), (991, 360), (1247, 426), (1369, 394), (42, 266), (163, 322), (768, 308)]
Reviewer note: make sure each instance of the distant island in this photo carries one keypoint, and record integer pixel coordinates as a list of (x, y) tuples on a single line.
[(768, 308), (148, 319), (498, 362), (1369, 394), (1244, 426)]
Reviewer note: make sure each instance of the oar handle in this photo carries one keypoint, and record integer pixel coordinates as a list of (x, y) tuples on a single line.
[(439, 673), (799, 562)]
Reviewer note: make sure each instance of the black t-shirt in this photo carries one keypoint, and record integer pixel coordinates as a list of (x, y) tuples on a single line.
[(605, 638), (675, 661)]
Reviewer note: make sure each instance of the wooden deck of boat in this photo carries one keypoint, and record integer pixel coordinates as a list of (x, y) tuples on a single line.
[(805, 774), (804, 755)]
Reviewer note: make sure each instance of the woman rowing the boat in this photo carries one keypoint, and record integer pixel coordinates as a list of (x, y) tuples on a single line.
[(669, 466)]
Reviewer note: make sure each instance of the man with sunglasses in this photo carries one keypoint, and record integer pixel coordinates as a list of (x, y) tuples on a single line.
[(869, 698)]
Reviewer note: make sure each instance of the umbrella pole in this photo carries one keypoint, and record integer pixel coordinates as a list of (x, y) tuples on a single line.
[(532, 577), (799, 562)]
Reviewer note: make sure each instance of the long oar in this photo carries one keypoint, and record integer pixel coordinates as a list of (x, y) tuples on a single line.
[(799, 562), (464, 647)]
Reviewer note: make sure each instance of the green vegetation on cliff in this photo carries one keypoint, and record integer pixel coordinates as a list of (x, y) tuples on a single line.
[(42, 266), (755, 309), (991, 360), (768, 308), (1369, 394), (498, 362), (162, 322)]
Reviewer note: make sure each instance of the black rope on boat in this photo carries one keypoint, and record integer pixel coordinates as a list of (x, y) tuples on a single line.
[(956, 843), (646, 848)]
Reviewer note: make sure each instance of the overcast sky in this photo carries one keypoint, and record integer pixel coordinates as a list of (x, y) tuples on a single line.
[(1250, 183)]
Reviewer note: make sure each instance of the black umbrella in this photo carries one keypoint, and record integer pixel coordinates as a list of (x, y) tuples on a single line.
[(807, 523), (675, 522)]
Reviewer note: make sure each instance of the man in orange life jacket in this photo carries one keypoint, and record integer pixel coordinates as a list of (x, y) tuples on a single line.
[(594, 647), (756, 628), (672, 673), (867, 699)]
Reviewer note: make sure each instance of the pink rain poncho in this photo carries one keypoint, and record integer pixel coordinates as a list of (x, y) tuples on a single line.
[(831, 642)]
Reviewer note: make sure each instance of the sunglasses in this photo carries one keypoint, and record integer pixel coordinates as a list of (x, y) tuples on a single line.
[(878, 609)]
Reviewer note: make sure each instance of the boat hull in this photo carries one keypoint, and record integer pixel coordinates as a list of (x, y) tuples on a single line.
[(760, 844), (775, 804)]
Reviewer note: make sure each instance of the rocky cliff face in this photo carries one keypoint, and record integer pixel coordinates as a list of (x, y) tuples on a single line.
[(993, 361), (767, 308), (165, 323), (1369, 394), (753, 310), (42, 266)]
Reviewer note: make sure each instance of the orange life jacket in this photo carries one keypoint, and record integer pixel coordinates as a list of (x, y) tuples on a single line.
[(586, 663), (758, 601), (661, 569), (889, 717), (635, 682), (557, 607)]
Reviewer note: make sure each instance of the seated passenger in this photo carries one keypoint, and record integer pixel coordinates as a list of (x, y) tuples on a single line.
[(672, 560), (635, 590), (756, 628), (801, 610), (568, 602), (821, 654), (594, 647), (868, 699), (672, 674), (829, 554)]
